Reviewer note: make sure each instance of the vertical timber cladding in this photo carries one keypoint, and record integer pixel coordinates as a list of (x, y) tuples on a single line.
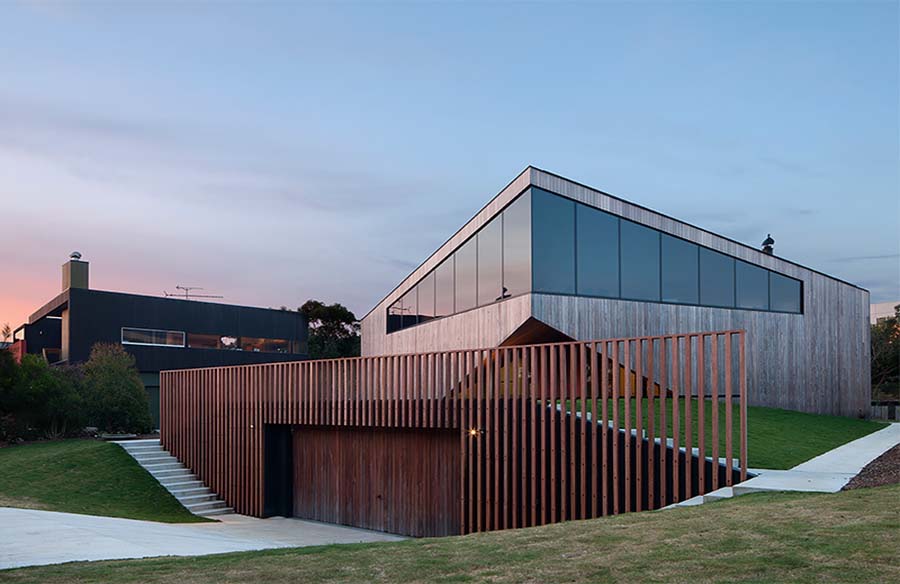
[(397, 480), (542, 433)]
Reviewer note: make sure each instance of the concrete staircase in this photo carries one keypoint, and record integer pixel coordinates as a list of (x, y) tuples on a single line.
[(178, 480)]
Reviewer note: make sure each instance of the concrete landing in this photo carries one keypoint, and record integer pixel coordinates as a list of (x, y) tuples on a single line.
[(34, 538)]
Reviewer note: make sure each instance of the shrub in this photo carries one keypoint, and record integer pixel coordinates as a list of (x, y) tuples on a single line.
[(115, 398), (41, 401)]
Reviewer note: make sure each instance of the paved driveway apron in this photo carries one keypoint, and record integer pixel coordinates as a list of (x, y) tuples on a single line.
[(34, 538)]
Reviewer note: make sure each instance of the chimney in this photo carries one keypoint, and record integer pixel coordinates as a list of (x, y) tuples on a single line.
[(74, 272), (768, 246)]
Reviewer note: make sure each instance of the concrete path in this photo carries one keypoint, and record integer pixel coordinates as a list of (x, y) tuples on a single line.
[(33, 538), (826, 473), (829, 472)]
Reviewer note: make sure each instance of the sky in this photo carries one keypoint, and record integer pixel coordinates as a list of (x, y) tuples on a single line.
[(276, 152)]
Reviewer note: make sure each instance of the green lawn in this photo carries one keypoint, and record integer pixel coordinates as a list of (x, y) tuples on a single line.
[(847, 537), (777, 439), (84, 476)]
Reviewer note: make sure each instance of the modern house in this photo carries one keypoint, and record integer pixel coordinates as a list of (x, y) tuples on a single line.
[(549, 259), (555, 359), (161, 333), (881, 311)]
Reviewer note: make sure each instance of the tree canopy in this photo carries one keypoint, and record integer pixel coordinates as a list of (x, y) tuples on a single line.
[(333, 330)]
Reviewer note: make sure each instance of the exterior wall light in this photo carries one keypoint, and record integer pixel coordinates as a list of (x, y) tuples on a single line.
[(474, 432)]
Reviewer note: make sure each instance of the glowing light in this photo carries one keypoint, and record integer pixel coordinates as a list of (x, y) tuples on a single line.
[(474, 432)]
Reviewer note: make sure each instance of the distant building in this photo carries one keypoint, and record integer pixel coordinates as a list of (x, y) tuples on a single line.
[(881, 311), (161, 333)]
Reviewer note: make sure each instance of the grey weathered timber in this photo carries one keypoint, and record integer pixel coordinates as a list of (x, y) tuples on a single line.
[(816, 362)]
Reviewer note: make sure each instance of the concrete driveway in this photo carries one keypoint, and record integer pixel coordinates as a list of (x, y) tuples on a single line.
[(33, 538)]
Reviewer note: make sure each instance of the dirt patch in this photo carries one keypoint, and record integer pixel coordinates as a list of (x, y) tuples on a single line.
[(884, 470), (22, 503)]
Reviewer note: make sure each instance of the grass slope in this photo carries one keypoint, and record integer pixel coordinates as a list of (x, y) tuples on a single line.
[(84, 476), (777, 439), (846, 537)]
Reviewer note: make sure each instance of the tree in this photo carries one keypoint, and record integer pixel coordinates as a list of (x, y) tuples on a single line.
[(5, 332), (115, 398), (333, 330), (886, 350)]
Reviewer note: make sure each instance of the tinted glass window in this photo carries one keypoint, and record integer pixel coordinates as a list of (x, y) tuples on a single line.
[(553, 243), (716, 279), (752, 286), (443, 284), (784, 293), (640, 261), (490, 262), (517, 246), (395, 316), (598, 252), (410, 308), (466, 275), (680, 271), (426, 298)]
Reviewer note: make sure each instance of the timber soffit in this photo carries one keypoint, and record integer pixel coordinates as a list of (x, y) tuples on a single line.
[(532, 182)]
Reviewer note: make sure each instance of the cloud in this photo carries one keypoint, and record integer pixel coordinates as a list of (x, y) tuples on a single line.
[(887, 256)]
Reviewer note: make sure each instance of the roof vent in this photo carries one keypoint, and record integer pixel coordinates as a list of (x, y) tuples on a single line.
[(768, 246), (75, 255)]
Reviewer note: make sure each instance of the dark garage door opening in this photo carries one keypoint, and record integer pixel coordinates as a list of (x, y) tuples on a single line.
[(394, 480)]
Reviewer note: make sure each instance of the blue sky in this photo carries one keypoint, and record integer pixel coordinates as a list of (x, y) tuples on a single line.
[(278, 152)]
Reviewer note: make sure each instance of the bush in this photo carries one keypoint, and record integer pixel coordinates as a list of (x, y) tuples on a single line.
[(40, 401), (115, 398)]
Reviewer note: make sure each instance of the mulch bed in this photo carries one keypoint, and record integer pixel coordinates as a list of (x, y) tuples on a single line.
[(884, 470)]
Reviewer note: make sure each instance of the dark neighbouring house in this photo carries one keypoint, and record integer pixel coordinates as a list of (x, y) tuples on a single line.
[(161, 333)]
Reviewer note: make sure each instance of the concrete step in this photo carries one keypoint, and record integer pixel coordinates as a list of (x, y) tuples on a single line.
[(181, 482), (155, 458), (193, 499), (205, 506), (182, 493), (158, 466), (719, 494), (171, 473)]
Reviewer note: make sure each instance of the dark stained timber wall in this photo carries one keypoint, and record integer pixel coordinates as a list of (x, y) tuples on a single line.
[(543, 433)]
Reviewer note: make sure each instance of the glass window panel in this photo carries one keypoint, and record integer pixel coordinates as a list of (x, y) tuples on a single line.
[(784, 293), (426, 298), (466, 275), (130, 335), (410, 308), (598, 252), (680, 271), (517, 247), (198, 341), (752, 286), (553, 243), (172, 338), (252, 344), (640, 261), (443, 283), (490, 262), (716, 279)]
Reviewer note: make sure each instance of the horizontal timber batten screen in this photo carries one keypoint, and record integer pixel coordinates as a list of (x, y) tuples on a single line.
[(546, 432)]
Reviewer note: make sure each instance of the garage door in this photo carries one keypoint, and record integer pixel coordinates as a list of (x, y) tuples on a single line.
[(394, 480)]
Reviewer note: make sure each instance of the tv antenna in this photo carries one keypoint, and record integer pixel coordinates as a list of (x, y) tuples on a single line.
[(187, 292)]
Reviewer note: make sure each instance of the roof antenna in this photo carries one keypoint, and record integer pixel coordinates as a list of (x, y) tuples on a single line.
[(188, 293), (768, 246)]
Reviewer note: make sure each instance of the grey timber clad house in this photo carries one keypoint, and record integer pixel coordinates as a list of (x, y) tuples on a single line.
[(549, 259)]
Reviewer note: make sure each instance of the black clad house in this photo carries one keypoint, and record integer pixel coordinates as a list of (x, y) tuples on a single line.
[(161, 333)]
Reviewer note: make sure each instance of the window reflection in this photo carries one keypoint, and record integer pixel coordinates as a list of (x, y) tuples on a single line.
[(466, 275), (716, 279), (598, 252), (640, 262), (680, 271), (490, 262), (443, 289), (752, 286), (517, 247), (553, 243)]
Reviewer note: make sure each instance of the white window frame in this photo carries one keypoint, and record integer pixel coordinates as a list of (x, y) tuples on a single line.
[(134, 328)]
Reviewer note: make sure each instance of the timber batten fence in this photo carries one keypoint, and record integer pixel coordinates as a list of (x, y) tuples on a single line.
[(546, 432)]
